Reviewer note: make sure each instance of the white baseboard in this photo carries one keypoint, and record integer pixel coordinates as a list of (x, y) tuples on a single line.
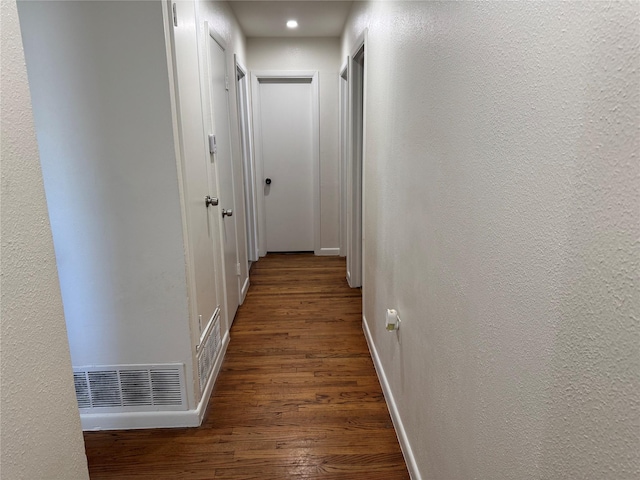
[(139, 420), (245, 289), (405, 446), (328, 252), (201, 409), (160, 419)]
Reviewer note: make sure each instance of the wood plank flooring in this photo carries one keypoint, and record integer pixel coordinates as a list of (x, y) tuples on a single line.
[(297, 396)]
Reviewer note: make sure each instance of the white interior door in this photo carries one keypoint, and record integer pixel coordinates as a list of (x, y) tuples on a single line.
[(286, 124), (202, 223), (219, 98)]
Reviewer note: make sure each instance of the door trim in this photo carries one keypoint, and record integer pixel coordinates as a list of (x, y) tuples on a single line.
[(343, 90), (356, 166), (284, 75), (248, 160)]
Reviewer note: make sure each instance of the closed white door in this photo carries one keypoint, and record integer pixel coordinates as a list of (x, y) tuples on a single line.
[(287, 148), (202, 221), (218, 85)]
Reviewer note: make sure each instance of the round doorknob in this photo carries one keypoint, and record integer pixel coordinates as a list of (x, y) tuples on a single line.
[(210, 201), (268, 181), (227, 213)]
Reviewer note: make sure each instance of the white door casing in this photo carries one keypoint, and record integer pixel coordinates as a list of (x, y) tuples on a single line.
[(285, 112), (344, 153), (248, 164), (287, 156), (355, 167), (222, 173)]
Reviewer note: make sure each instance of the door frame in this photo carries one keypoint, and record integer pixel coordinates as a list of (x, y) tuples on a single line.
[(356, 164), (343, 90), (248, 160), (285, 75)]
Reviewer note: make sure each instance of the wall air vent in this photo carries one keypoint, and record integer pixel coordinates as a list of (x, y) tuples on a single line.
[(208, 351), (126, 388), (82, 389)]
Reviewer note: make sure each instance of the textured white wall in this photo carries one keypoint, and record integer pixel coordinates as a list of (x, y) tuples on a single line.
[(100, 85), (323, 55), (502, 185), (224, 22), (41, 435)]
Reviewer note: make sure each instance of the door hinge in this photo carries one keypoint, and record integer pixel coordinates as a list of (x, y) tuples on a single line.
[(175, 15), (238, 269), (226, 82)]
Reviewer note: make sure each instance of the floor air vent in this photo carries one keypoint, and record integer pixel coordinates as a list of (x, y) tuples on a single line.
[(122, 388)]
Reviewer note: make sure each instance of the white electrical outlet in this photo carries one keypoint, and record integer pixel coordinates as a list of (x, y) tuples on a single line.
[(392, 320)]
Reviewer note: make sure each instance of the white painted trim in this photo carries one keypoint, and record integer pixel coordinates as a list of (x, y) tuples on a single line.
[(164, 419), (244, 290), (217, 37), (343, 134), (204, 400), (138, 420), (329, 251), (355, 168), (257, 131), (245, 130), (316, 157), (365, 89), (257, 145), (209, 326), (401, 433)]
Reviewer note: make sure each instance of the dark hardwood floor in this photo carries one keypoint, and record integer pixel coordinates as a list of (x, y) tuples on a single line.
[(297, 396)]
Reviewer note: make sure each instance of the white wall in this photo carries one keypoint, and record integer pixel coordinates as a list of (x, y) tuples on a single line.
[(323, 55), (100, 85), (41, 435), (501, 219), (223, 20)]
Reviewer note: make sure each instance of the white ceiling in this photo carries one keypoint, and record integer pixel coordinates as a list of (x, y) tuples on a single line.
[(267, 18)]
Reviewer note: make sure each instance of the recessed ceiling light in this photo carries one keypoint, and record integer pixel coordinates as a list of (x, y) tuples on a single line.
[(292, 24)]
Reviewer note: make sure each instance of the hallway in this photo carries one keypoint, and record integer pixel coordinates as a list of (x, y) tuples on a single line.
[(297, 396)]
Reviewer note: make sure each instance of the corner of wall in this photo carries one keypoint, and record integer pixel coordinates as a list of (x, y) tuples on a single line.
[(40, 433)]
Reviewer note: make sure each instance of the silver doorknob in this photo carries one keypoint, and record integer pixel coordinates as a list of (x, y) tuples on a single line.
[(227, 213), (210, 201)]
